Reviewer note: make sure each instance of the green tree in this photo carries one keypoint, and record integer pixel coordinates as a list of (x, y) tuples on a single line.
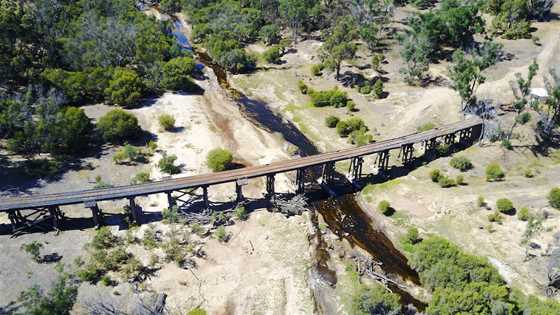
[(125, 88), (338, 45), (375, 300), (416, 50), (270, 34), (466, 75), (522, 90), (177, 74), (118, 126), (293, 11), (219, 159), (59, 300)]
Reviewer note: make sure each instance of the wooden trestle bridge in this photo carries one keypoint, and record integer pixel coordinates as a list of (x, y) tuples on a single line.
[(27, 211)]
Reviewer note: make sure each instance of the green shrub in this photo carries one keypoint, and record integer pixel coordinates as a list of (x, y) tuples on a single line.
[(480, 201), (100, 184), (167, 164), (59, 300), (174, 251), (334, 97), (167, 122), (523, 214), (412, 235), (461, 163), (141, 177), (331, 121), (435, 175), (495, 217), (221, 235), (33, 249), (460, 180), (504, 205), (197, 311), (128, 154), (446, 182), (351, 107), (241, 213), (118, 126), (494, 173), (443, 149), (523, 118), (376, 62), (378, 89), (360, 137), (384, 207), (302, 87), (554, 198), (365, 89), (316, 69), (170, 215), (219, 159), (149, 239), (345, 127), (104, 239), (273, 54)]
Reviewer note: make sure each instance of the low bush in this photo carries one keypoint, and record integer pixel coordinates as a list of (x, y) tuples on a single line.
[(446, 182), (273, 54), (426, 127), (33, 249), (461, 163), (384, 207), (302, 87), (554, 198), (331, 121), (495, 217), (167, 122), (128, 154), (412, 236), (507, 144), (241, 213), (443, 149), (345, 127), (140, 178), (167, 164), (435, 174), (494, 173), (334, 97), (378, 89), (460, 180), (221, 235), (523, 214), (376, 62), (504, 205), (219, 159), (270, 34), (360, 137), (365, 89), (480, 202), (351, 107), (523, 118), (316, 69)]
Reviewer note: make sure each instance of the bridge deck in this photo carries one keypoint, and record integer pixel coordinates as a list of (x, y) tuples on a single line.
[(76, 197)]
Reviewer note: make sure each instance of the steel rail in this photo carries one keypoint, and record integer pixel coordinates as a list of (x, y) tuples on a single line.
[(205, 180)]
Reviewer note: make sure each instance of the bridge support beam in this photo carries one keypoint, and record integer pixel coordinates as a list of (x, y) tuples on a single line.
[(170, 200), (466, 136), (449, 138), (205, 200), (407, 153), (270, 186), (238, 192), (356, 166), (135, 211), (57, 216), (383, 161), (96, 212), (327, 176), (300, 181)]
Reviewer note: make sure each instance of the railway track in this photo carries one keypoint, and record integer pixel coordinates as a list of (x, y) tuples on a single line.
[(205, 180)]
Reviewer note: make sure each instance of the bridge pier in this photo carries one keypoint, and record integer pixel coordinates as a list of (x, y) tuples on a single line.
[(239, 189), (170, 200), (449, 138), (134, 210), (300, 181), (430, 146), (96, 212), (466, 136), (383, 161), (205, 200), (356, 166), (57, 216), (270, 186), (327, 176), (407, 153)]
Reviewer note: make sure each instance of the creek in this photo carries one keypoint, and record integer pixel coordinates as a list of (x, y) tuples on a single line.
[(342, 214)]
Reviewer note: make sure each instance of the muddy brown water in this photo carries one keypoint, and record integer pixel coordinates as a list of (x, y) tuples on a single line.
[(343, 215)]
